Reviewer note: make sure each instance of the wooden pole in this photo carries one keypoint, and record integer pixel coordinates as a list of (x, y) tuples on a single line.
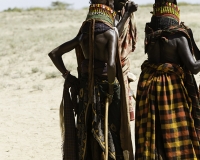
[(106, 129)]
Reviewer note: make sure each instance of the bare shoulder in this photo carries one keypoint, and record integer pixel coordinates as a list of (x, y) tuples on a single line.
[(181, 43), (111, 33), (179, 38)]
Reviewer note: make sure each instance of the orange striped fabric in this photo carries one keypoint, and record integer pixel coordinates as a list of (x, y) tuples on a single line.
[(165, 126)]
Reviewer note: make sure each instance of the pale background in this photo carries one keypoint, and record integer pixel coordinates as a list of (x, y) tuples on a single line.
[(31, 86), (77, 4)]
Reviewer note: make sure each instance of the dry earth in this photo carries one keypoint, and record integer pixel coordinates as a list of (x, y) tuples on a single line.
[(31, 87)]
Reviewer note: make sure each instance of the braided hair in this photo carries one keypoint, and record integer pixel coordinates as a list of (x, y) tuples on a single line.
[(98, 1)]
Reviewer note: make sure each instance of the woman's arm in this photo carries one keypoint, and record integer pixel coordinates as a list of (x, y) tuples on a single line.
[(56, 54), (186, 55), (111, 65), (196, 49), (129, 9)]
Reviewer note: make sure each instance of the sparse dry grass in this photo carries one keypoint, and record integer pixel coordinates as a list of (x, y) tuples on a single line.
[(27, 37), (30, 84)]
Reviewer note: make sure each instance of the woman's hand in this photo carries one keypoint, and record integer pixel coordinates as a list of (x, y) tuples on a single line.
[(131, 7), (71, 81)]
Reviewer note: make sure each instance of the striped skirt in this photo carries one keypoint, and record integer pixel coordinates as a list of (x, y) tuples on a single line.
[(165, 128)]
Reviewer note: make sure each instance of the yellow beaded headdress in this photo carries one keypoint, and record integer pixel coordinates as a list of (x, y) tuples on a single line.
[(167, 9), (101, 12)]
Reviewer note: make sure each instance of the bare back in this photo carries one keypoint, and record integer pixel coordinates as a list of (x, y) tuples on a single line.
[(176, 50), (103, 45), (165, 51)]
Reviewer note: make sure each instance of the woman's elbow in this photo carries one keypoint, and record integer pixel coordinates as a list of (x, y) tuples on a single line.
[(53, 53), (50, 54), (112, 65), (195, 70)]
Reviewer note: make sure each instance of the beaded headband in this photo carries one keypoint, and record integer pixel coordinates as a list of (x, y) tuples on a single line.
[(166, 9), (101, 12)]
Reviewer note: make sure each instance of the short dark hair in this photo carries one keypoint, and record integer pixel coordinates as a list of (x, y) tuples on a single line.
[(95, 1), (171, 1)]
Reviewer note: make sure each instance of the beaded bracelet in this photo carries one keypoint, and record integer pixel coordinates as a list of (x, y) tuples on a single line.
[(112, 83)]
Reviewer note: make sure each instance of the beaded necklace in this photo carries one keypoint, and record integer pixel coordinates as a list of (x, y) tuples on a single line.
[(166, 9), (101, 12)]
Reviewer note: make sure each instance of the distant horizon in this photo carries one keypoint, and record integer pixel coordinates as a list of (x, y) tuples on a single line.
[(76, 4)]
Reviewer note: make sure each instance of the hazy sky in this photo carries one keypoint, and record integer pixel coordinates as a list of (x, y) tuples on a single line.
[(77, 4)]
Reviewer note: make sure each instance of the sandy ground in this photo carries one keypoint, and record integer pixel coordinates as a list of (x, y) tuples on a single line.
[(30, 124)]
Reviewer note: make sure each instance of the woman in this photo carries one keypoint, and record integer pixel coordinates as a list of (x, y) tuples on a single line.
[(167, 102), (98, 40)]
